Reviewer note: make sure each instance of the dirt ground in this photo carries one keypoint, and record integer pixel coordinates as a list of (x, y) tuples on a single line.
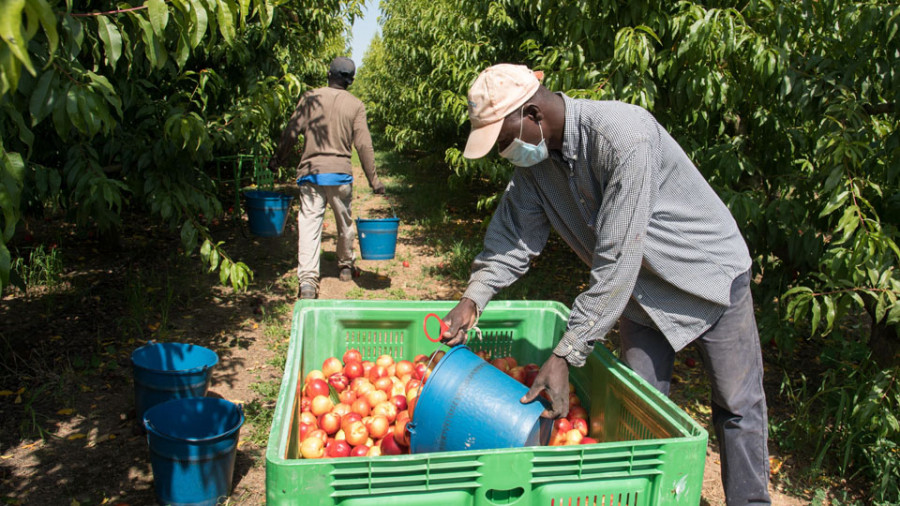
[(66, 397)]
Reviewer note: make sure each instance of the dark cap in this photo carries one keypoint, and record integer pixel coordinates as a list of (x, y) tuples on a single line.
[(342, 65)]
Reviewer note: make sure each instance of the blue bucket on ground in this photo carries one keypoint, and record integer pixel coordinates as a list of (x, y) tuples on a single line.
[(267, 212), (468, 404), (193, 446), (166, 371), (377, 237)]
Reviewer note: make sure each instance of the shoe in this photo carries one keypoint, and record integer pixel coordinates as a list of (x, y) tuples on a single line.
[(348, 273), (308, 291)]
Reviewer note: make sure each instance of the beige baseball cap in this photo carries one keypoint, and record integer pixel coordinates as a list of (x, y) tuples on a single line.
[(497, 92)]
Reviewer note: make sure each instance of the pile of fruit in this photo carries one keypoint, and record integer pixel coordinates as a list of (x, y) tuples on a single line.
[(355, 407)]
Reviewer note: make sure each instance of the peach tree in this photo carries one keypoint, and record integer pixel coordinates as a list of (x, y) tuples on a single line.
[(112, 107), (789, 109)]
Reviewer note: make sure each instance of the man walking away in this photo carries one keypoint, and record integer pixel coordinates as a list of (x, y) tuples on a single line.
[(332, 122)]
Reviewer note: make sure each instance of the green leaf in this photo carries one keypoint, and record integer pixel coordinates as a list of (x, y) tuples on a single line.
[(265, 10), (795, 290), (48, 23), (11, 32), (205, 249), (41, 102), (333, 394), (12, 175), (829, 313), (893, 316), (225, 19), (159, 16), (836, 201), (880, 308), (5, 263), (153, 47), (112, 40), (106, 88), (224, 270), (25, 134), (244, 6), (213, 260), (182, 51), (816, 315), (188, 236), (199, 21), (72, 99)]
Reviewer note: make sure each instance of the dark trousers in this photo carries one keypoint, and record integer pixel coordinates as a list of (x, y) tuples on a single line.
[(733, 360)]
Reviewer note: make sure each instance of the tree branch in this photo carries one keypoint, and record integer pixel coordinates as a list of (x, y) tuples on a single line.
[(106, 13)]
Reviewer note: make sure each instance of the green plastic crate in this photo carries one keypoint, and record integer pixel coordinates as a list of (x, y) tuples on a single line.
[(650, 452)]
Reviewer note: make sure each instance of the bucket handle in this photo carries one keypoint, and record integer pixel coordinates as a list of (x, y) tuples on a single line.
[(445, 327), (393, 212)]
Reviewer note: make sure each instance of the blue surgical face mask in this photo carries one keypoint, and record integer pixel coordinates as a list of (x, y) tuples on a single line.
[(523, 154)]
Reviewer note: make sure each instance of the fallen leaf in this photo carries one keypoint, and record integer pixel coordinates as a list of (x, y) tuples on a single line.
[(65, 411), (775, 465), (5, 457), (5, 393), (102, 439), (85, 388), (20, 391), (255, 326), (55, 338), (77, 435), (18, 400), (153, 326)]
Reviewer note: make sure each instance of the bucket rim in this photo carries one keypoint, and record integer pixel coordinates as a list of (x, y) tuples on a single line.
[(226, 434), (174, 371), (383, 220), (266, 195)]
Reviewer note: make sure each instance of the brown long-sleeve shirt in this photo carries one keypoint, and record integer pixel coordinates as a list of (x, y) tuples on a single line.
[(332, 122)]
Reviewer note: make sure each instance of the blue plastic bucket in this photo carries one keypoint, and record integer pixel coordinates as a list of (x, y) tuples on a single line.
[(193, 446), (267, 212), (468, 404), (166, 371), (377, 237)]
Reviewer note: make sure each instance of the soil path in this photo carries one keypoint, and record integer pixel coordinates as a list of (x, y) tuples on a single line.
[(66, 373)]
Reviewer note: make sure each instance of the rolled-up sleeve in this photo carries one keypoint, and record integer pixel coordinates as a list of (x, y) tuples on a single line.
[(620, 227), (516, 234)]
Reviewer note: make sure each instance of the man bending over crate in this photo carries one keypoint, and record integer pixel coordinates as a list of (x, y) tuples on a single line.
[(667, 259), (332, 122)]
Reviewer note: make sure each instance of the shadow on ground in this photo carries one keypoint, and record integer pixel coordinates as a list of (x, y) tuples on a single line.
[(67, 420)]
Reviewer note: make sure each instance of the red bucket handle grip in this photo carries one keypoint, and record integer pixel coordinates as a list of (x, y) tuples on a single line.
[(444, 327)]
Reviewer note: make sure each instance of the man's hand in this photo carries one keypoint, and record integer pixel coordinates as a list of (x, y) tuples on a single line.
[(554, 378), (460, 319), (378, 188)]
